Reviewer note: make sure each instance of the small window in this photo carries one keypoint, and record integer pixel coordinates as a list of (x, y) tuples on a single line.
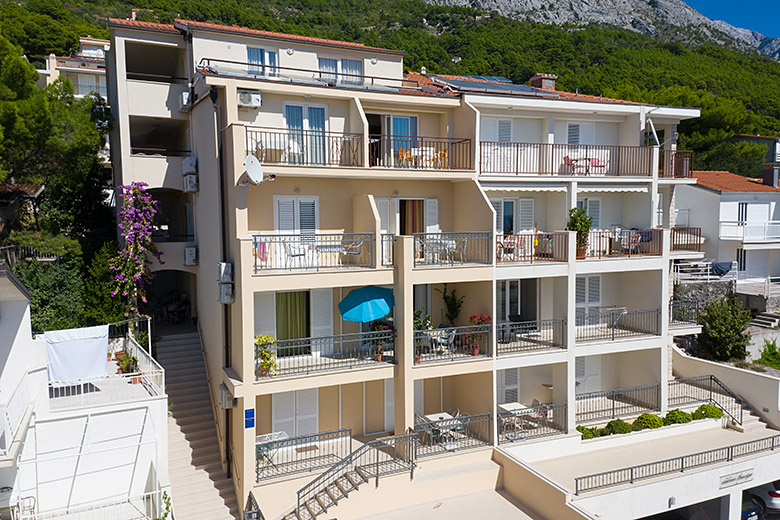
[(741, 259), (262, 62)]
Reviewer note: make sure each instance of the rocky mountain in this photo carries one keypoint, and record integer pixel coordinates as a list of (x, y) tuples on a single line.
[(668, 19)]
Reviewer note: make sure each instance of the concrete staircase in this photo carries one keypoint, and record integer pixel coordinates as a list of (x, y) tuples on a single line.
[(200, 488), (750, 421), (766, 320)]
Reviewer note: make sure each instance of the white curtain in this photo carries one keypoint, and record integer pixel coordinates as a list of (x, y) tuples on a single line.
[(77, 353)]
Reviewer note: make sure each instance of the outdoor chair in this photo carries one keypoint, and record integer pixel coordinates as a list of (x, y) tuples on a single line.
[(296, 252), (353, 251)]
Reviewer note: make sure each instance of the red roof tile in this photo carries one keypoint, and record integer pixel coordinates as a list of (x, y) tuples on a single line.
[(727, 181), (9, 193), (143, 25)]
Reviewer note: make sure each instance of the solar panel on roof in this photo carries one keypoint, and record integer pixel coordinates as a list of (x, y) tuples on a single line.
[(496, 88), (501, 79)]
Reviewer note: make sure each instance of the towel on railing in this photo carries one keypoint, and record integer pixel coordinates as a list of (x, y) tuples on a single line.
[(721, 268)]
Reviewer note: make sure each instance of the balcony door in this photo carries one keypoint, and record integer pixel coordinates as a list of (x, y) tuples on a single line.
[(407, 216), (297, 315), (295, 413), (306, 128), (517, 300), (587, 375), (513, 215), (588, 299), (498, 153)]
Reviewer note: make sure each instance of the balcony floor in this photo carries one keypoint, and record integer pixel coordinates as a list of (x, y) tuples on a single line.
[(113, 388), (486, 504)]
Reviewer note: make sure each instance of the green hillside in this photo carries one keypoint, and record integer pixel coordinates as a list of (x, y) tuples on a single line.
[(739, 93)]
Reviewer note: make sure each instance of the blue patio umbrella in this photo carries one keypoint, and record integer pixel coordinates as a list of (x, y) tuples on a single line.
[(366, 304)]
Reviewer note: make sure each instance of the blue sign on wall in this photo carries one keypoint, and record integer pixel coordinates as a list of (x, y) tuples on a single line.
[(249, 418)]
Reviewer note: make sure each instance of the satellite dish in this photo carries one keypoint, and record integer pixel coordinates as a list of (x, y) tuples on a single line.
[(254, 170)]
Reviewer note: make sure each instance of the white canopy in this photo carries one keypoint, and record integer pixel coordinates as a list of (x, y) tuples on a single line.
[(77, 353)]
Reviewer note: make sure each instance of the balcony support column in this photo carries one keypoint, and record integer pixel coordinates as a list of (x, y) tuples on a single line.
[(666, 346), (571, 330), (404, 343)]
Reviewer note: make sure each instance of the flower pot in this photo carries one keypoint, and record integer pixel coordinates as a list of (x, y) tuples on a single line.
[(109, 358), (118, 355), (581, 252), (475, 350), (417, 359), (378, 357), (265, 372), (135, 379), (119, 370)]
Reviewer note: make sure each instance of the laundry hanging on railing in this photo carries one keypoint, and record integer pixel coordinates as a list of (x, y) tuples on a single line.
[(77, 353)]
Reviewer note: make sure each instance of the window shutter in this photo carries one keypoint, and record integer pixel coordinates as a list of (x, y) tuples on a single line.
[(285, 217), (594, 289), (580, 292), (431, 215), (321, 301), (511, 392), (389, 405), (419, 397), (273, 61), (383, 208), (306, 412), (308, 216), (594, 211), (489, 129), (265, 313), (283, 413), (525, 214), (573, 133), (504, 130), (498, 205), (579, 369)]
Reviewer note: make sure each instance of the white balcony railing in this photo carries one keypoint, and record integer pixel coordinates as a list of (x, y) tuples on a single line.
[(13, 413), (750, 231), (143, 507)]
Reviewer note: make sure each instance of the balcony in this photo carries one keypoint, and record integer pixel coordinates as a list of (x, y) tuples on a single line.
[(419, 153), (499, 158), (451, 249), (624, 243), (324, 354), (530, 336), (684, 313), (451, 343), (750, 232), (305, 147), (686, 239), (532, 247), (313, 252), (451, 434), (278, 456), (675, 164), (519, 423), (605, 405), (614, 323)]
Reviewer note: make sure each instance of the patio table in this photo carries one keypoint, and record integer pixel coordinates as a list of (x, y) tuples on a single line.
[(446, 423), (264, 452)]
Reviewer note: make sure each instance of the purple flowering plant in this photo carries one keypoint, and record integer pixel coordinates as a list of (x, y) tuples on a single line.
[(130, 268)]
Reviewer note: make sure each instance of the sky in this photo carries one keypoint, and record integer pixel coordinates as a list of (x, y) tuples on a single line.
[(757, 15)]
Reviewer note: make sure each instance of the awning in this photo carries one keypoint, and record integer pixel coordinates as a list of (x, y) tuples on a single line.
[(612, 189), (524, 188)]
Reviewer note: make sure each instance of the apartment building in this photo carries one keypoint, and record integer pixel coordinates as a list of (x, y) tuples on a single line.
[(370, 178), (86, 69)]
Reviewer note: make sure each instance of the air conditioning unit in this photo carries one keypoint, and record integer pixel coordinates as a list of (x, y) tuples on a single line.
[(226, 296), (226, 401), (225, 272), (184, 101), (190, 183), (249, 99), (191, 255), (189, 165)]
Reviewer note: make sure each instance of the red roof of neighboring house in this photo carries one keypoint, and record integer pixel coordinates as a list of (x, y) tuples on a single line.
[(9, 193), (143, 25), (727, 181)]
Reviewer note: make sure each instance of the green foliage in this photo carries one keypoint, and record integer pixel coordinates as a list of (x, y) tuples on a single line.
[(707, 411), (421, 320), (618, 426), (723, 335), (580, 222), (649, 420), (265, 352), (100, 306), (637, 426), (452, 303), (677, 417), (769, 354), (46, 243), (57, 293), (743, 158), (588, 433), (129, 364)]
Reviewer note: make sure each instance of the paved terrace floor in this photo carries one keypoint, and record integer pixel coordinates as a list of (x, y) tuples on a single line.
[(487, 504), (565, 469)]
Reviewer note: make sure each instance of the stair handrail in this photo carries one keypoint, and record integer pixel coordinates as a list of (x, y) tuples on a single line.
[(739, 405), (715, 386), (326, 478), (252, 510)]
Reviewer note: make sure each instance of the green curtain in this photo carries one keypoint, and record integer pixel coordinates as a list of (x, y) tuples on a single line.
[(291, 315)]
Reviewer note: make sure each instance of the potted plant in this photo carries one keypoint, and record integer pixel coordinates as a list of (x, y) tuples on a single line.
[(580, 222), (452, 303), (475, 336), (129, 365), (378, 340), (421, 321), (266, 354)]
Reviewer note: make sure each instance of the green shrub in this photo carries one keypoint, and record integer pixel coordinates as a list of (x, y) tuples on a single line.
[(587, 433), (618, 427), (637, 426), (677, 417), (648, 420), (724, 330), (602, 432), (707, 411), (770, 356)]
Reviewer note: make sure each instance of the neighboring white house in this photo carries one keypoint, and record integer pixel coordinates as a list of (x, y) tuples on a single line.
[(739, 220)]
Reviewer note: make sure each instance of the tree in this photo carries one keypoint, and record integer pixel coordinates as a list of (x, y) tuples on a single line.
[(723, 330), (56, 290), (99, 305)]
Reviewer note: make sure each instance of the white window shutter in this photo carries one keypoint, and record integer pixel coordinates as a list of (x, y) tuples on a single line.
[(511, 387), (525, 214), (283, 413), (489, 129), (306, 408), (498, 205), (504, 130), (587, 133), (594, 211), (383, 208), (580, 292), (431, 215), (308, 216), (579, 369), (321, 301), (389, 405), (594, 289), (285, 216), (265, 313), (573, 133)]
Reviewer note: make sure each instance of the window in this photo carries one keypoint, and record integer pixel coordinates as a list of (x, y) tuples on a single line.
[(741, 260), (296, 215), (742, 212), (508, 300), (588, 294), (295, 413), (343, 70), (262, 61), (354, 71), (581, 133), (306, 125), (592, 208), (509, 386), (513, 215)]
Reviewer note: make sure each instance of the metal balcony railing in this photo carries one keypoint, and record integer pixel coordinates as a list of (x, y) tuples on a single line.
[(310, 355), (387, 249), (686, 239), (703, 272), (532, 422), (419, 153), (624, 242), (675, 163), (305, 147), (277, 457), (750, 231), (528, 336), (532, 247), (432, 249), (564, 159), (615, 323), (605, 405), (451, 434), (312, 252), (684, 312), (451, 343)]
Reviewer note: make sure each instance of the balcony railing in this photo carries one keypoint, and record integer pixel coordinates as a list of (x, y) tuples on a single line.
[(387, 249), (675, 163), (616, 323), (704, 271), (706, 389), (531, 247), (532, 423), (419, 153), (750, 231), (565, 159), (13, 412), (606, 405), (310, 355), (451, 343), (142, 507), (305, 147), (276, 457), (624, 242), (431, 249), (686, 239), (683, 312), (312, 252), (529, 336), (451, 434)]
